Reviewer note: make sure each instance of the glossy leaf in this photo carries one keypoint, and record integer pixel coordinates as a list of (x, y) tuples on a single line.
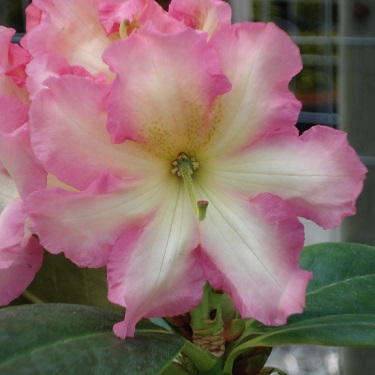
[(72, 339), (340, 309), (61, 281)]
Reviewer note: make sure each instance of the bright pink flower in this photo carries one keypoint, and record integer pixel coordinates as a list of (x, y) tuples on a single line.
[(218, 111)]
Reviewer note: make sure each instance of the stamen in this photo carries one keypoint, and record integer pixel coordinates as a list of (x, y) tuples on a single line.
[(123, 31), (184, 166), (126, 27)]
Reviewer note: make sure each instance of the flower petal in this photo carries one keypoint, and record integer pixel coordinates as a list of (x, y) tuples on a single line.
[(9, 88), (206, 15), (251, 251), (163, 94), (49, 65), (33, 17), (18, 159), (8, 190), (13, 58), (162, 251), (5, 48), (112, 13), (14, 113), (259, 60), (12, 223), (319, 174), (69, 136), (70, 29), (15, 149), (137, 13), (85, 225), (20, 254)]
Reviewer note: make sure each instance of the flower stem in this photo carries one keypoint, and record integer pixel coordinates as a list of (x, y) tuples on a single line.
[(175, 369), (207, 323), (31, 297)]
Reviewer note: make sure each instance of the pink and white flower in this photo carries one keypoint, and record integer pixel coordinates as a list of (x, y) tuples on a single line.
[(121, 18), (206, 15), (186, 120), (70, 29)]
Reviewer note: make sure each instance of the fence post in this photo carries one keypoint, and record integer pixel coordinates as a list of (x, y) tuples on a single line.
[(357, 117), (241, 10)]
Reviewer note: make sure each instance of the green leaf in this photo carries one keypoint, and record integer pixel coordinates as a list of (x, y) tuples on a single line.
[(340, 303), (73, 339), (61, 281)]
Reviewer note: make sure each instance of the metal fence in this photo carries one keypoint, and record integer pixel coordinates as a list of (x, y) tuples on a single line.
[(313, 25)]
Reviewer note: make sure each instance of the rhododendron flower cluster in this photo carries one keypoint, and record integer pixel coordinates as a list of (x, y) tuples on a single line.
[(163, 146)]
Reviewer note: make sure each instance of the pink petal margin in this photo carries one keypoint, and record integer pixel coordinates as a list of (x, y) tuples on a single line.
[(15, 149), (350, 170), (20, 253), (138, 12), (13, 58), (319, 174), (252, 253), (155, 269), (206, 15), (259, 60), (83, 225)]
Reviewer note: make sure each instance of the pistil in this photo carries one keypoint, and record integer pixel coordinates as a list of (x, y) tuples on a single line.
[(184, 166)]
